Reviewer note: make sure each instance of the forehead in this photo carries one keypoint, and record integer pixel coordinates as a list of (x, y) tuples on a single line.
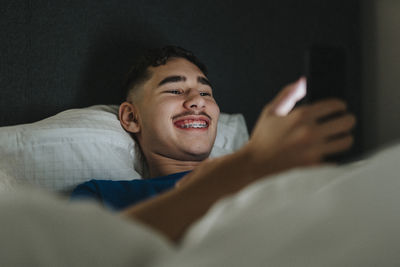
[(175, 66)]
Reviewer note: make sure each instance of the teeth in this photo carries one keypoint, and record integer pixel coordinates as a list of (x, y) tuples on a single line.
[(193, 124)]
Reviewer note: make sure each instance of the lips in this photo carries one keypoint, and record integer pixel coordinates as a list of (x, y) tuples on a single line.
[(192, 122)]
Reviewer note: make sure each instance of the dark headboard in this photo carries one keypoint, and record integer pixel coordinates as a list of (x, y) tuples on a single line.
[(57, 55)]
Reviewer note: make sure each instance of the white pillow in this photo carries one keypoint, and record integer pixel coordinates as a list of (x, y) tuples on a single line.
[(77, 145)]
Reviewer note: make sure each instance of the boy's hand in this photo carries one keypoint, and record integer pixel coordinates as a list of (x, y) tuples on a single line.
[(280, 142)]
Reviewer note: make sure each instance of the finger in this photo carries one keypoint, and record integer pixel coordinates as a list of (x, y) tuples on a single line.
[(337, 126), (327, 107), (338, 145), (288, 97)]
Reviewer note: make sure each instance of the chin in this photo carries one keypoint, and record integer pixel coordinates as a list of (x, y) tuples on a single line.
[(197, 155)]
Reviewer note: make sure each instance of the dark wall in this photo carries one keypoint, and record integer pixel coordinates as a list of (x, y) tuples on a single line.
[(57, 55)]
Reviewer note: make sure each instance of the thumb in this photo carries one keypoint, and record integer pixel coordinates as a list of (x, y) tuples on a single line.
[(287, 98)]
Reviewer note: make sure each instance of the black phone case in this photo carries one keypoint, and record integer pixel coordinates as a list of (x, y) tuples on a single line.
[(325, 70)]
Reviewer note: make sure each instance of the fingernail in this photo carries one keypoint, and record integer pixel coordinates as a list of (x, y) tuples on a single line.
[(301, 89)]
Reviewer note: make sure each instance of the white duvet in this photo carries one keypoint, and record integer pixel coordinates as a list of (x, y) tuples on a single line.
[(325, 216)]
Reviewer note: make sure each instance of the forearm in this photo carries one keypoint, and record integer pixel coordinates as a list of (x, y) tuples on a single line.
[(277, 143), (173, 212)]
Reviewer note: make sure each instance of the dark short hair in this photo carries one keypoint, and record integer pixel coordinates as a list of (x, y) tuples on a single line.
[(154, 58)]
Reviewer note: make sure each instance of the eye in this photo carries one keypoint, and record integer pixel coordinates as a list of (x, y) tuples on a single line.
[(174, 92), (205, 94)]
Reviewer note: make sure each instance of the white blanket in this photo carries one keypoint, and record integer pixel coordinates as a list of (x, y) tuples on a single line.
[(343, 216), (38, 229), (326, 216)]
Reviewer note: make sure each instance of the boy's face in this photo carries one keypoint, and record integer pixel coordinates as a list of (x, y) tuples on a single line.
[(177, 113)]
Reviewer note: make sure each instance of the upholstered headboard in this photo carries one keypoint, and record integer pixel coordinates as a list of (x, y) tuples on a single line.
[(57, 55)]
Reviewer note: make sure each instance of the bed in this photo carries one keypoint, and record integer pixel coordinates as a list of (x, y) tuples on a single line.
[(60, 60), (323, 216)]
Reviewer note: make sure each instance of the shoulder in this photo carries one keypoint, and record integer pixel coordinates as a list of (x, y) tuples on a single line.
[(96, 188)]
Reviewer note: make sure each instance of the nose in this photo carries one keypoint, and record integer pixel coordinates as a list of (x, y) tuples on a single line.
[(194, 101)]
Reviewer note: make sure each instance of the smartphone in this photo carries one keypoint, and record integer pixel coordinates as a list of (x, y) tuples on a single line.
[(325, 70)]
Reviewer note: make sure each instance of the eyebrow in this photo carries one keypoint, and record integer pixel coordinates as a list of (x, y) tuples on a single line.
[(172, 79), (204, 80), (176, 78)]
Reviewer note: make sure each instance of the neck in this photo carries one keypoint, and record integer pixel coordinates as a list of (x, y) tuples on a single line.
[(160, 165)]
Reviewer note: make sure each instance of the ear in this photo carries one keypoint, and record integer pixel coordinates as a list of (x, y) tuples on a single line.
[(128, 117)]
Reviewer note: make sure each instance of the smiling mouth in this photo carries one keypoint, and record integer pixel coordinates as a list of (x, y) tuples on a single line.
[(191, 124)]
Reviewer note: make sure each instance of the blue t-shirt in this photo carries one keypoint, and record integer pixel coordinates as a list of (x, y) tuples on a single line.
[(118, 195)]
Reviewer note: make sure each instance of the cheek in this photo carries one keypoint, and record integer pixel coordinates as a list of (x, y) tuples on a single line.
[(160, 114), (214, 110)]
